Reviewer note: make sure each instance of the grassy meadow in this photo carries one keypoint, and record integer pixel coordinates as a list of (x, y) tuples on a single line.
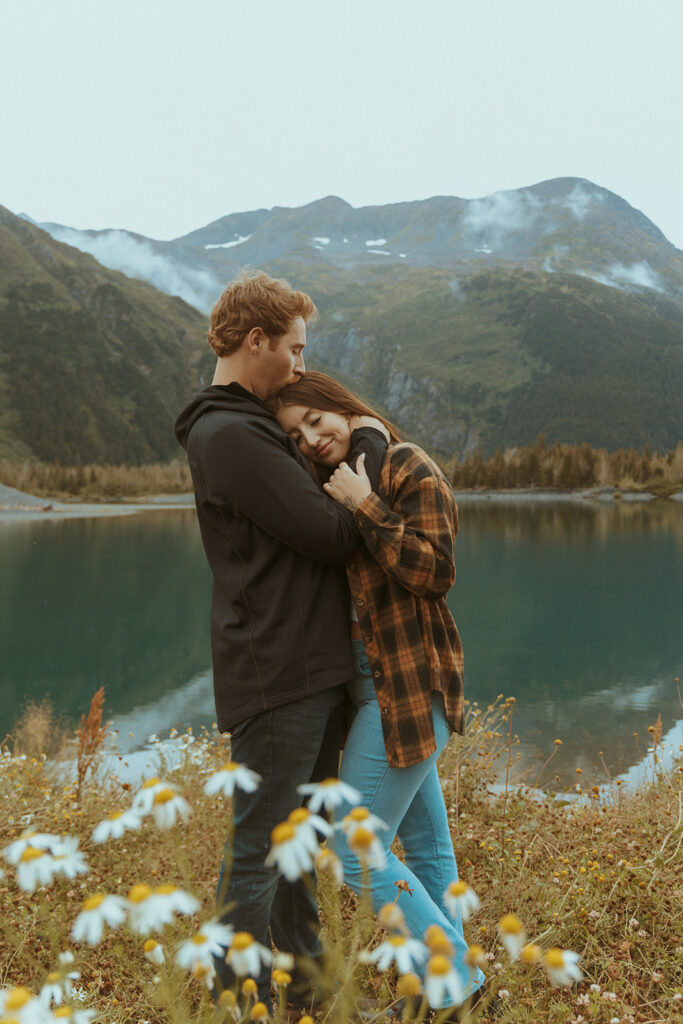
[(600, 879)]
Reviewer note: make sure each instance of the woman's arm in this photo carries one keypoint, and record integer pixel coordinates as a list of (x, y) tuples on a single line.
[(413, 539)]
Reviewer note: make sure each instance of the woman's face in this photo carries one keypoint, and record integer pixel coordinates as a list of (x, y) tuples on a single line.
[(324, 437)]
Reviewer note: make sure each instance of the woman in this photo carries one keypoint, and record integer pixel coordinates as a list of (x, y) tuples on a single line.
[(408, 685)]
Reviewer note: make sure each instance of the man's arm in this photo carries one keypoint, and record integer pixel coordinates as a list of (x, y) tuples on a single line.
[(249, 471)]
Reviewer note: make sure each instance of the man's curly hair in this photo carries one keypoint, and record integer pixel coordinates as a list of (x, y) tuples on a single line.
[(254, 299)]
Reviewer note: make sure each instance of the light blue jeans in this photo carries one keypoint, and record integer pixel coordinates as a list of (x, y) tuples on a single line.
[(411, 803)]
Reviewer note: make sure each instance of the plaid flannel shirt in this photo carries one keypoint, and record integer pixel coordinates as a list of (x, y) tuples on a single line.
[(399, 579)]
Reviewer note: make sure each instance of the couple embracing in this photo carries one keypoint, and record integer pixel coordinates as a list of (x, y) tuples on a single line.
[(331, 547)]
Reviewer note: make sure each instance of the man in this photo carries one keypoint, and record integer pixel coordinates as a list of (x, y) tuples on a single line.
[(276, 545)]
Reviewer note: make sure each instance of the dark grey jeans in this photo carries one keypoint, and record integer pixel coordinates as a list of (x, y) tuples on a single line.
[(287, 746)]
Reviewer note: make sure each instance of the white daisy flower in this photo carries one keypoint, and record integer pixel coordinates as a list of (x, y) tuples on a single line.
[(246, 955), (232, 775), (20, 1005), (212, 939), (512, 935), (35, 867), (401, 950), (443, 986), (328, 861), (360, 817), (307, 826), (328, 794), (290, 852), (97, 911), (114, 825), (205, 972), (459, 897), (167, 805), (143, 801), (149, 910), (366, 846), (154, 952), (69, 860), (562, 967), (58, 985), (69, 1015), (36, 840), (283, 962)]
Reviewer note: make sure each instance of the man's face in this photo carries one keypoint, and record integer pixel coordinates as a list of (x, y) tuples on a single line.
[(281, 361)]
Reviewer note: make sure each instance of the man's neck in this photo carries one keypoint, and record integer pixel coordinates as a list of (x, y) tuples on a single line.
[(229, 370)]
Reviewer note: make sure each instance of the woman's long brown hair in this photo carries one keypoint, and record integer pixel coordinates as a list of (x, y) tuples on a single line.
[(318, 391)]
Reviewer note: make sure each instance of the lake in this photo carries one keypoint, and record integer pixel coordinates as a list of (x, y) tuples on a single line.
[(575, 610)]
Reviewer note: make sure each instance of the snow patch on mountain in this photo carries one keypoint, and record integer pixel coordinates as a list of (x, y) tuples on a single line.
[(228, 245)]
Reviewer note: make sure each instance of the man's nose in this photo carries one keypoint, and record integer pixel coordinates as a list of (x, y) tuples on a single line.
[(299, 367)]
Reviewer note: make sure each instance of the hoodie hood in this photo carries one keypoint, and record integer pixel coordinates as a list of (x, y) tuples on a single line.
[(218, 397)]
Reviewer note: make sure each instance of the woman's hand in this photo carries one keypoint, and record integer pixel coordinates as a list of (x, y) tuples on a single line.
[(348, 488), (368, 421)]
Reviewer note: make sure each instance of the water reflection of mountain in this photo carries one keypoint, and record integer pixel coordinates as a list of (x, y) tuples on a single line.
[(575, 611), (119, 602), (572, 609)]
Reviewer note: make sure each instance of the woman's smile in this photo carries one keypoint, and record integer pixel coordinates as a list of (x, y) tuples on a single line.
[(321, 435)]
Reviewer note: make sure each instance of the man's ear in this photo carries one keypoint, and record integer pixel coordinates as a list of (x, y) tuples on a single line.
[(255, 339)]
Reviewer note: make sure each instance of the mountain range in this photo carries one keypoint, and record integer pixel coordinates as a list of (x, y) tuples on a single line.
[(556, 308)]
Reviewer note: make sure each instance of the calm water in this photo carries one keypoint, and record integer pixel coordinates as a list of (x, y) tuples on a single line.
[(573, 610)]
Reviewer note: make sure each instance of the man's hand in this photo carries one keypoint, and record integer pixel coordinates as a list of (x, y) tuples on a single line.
[(368, 421), (348, 488)]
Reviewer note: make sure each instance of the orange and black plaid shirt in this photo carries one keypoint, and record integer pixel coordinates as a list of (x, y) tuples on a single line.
[(399, 579)]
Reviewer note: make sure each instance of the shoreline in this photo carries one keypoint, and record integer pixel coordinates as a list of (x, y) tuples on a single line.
[(17, 506)]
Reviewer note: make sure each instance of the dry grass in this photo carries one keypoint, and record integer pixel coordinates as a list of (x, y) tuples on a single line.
[(603, 880)]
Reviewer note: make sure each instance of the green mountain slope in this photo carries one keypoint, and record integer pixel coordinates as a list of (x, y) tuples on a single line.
[(93, 366), (502, 355)]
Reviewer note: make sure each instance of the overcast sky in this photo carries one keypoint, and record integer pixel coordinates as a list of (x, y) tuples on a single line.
[(162, 115)]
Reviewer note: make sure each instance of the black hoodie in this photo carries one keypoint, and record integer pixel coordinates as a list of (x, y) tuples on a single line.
[(276, 544)]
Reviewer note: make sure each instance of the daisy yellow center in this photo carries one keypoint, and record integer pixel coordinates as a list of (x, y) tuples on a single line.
[(440, 965), (298, 816), (62, 1011), (230, 766), (227, 998), (281, 977), (115, 816), (531, 954), (249, 987), (408, 986), (163, 796), (511, 925), (30, 853), (397, 940), (554, 958), (259, 1011), (359, 814), (457, 888), (93, 902), (329, 782), (283, 833), (199, 939), (474, 955), (150, 783), (363, 838), (18, 998), (53, 976), (150, 945), (242, 940), (166, 889), (139, 893)]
